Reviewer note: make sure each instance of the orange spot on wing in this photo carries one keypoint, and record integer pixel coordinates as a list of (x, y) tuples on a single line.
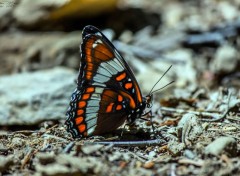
[(88, 75), (88, 58), (109, 107), (82, 128), (90, 90), (90, 66), (85, 96), (81, 104), (121, 76), (78, 120), (131, 101), (80, 112), (119, 107), (139, 95), (120, 98), (128, 85)]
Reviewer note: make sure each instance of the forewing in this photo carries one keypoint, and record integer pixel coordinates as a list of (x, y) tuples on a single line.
[(102, 64)]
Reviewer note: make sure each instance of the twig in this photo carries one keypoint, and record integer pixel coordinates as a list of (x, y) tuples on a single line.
[(234, 119), (183, 111), (69, 147), (27, 158), (129, 143), (140, 158), (216, 116), (230, 135), (188, 161), (49, 129), (53, 137), (25, 132)]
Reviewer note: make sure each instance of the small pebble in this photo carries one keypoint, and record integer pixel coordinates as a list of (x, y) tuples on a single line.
[(88, 149), (138, 164), (226, 59), (152, 154), (189, 154), (175, 148), (222, 145), (148, 165), (5, 163)]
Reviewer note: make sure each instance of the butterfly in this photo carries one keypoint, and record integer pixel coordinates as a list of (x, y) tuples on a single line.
[(107, 92)]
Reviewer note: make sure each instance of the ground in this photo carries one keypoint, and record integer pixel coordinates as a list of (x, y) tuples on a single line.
[(195, 122)]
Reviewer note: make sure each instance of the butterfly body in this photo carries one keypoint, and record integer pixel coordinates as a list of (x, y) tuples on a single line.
[(107, 93)]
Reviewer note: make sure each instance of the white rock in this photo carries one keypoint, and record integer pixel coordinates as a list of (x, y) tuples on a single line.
[(29, 12), (227, 145), (225, 59), (228, 10), (29, 98)]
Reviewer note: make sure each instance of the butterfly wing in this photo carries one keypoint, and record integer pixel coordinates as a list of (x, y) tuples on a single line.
[(107, 92)]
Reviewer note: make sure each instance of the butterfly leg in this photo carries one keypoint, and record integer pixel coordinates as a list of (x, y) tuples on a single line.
[(123, 130), (146, 113), (149, 114)]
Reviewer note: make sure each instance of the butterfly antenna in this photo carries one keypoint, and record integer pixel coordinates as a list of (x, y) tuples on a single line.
[(162, 87), (150, 93)]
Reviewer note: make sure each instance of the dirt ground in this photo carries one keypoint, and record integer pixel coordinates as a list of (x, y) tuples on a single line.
[(194, 128)]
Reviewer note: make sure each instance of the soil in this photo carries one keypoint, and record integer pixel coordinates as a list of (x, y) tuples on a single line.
[(194, 124)]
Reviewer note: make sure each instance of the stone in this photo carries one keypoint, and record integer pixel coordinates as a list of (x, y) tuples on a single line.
[(190, 128), (5, 163), (30, 98), (148, 165), (175, 148), (222, 145), (34, 51), (28, 12), (226, 59)]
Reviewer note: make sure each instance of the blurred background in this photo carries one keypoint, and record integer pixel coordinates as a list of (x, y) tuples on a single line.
[(39, 62), (39, 48)]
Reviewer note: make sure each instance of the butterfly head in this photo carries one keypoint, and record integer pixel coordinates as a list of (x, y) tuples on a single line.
[(148, 100)]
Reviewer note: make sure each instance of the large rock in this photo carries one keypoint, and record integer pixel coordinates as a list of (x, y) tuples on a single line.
[(35, 51), (29, 12), (30, 98), (5, 14)]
